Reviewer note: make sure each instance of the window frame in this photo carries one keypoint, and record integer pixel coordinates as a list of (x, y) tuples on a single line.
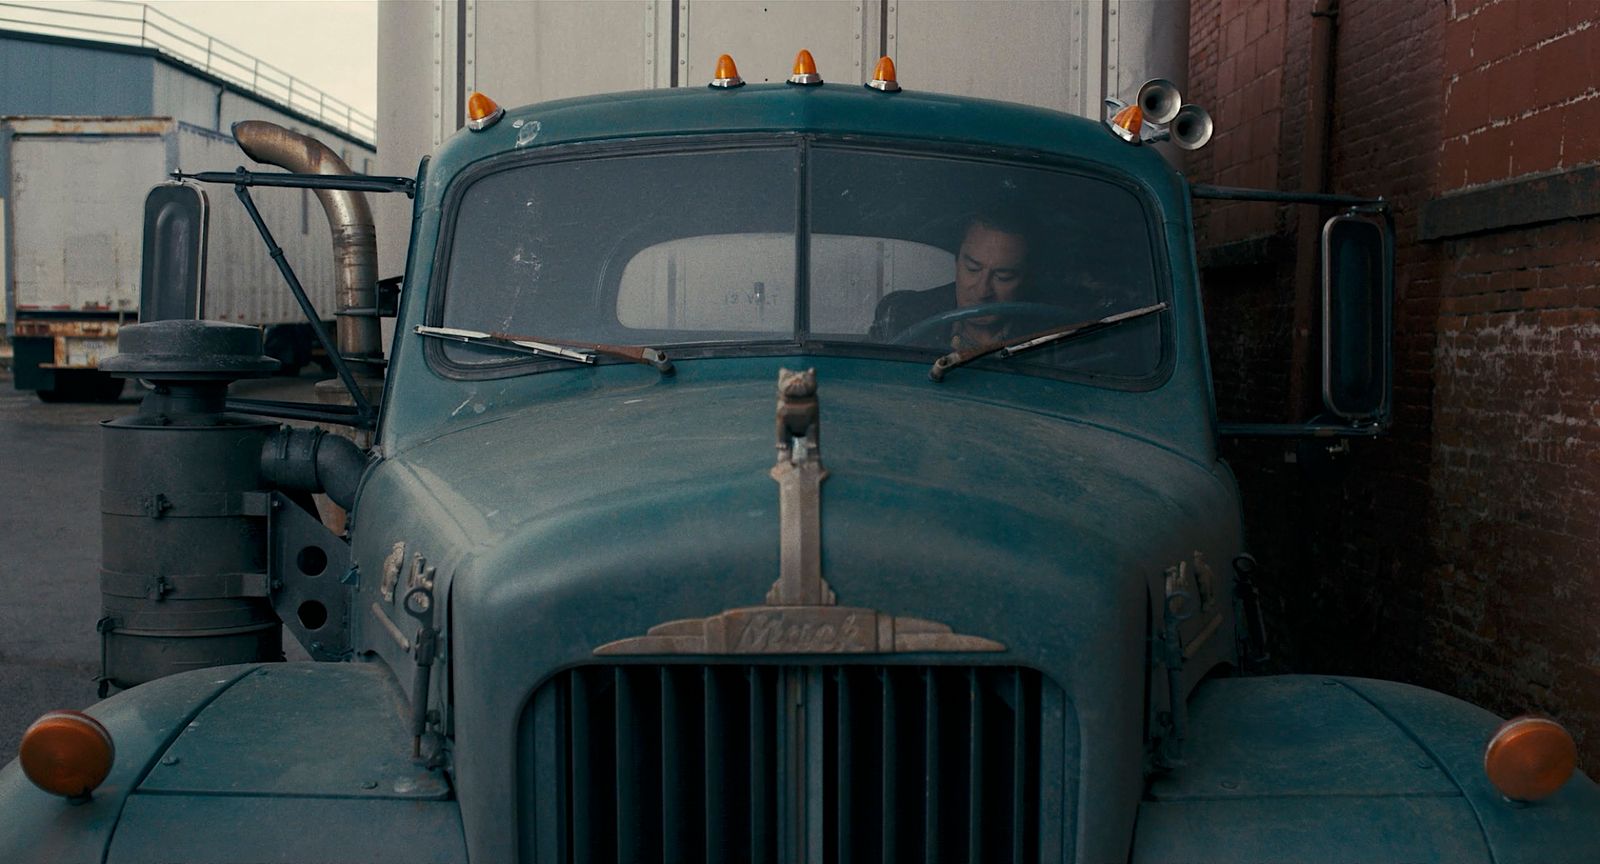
[(518, 366)]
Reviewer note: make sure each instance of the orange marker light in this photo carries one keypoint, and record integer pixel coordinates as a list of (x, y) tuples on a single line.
[(883, 77), (482, 112), (805, 69), (1127, 123), (66, 753), (727, 74), (1530, 758)]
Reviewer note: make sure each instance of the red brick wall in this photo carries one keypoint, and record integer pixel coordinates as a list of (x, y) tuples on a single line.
[(1244, 73), (1520, 97), (1460, 550), (1236, 71)]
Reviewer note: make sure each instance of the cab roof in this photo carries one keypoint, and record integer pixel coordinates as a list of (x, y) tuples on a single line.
[(843, 109)]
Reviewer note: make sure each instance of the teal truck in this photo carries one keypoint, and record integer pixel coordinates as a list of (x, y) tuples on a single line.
[(606, 592)]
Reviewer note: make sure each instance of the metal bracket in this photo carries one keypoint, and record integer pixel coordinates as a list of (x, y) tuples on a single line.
[(364, 410), (353, 183), (1253, 648), (418, 603), (388, 302), (1176, 607), (307, 562)]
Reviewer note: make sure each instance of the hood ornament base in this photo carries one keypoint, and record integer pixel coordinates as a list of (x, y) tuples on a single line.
[(801, 615)]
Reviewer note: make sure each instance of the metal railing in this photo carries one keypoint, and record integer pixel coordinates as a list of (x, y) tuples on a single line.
[(130, 23)]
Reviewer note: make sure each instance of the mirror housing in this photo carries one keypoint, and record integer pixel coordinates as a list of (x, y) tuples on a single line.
[(1357, 299), (1357, 318), (172, 272)]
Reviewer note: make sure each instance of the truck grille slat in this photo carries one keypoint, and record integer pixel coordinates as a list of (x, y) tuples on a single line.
[(843, 776), (681, 795), (628, 767), (581, 796), (975, 766), (1019, 767), (714, 741), (932, 787), (889, 758), (763, 718), (790, 764)]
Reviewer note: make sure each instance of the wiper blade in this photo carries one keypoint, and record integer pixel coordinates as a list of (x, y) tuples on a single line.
[(1010, 347), (578, 352)]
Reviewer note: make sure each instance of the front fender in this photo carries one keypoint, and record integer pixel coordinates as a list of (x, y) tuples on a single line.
[(1312, 769), (282, 762), (142, 721)]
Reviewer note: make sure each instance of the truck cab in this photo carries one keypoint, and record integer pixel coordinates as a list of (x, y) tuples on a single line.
[(607, 594)]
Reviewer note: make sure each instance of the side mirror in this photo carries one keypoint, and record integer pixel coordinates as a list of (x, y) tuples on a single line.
[(172, 273), (1357, 298)]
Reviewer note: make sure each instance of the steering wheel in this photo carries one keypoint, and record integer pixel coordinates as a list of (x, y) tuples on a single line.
[(1043, 315)]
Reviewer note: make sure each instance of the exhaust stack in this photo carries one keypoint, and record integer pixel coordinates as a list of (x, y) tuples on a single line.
[(355, 245)]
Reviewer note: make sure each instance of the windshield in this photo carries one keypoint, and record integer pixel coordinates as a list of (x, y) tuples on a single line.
[(835, 248)]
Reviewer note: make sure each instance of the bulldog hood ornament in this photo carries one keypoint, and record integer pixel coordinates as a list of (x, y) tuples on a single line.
[(801, 615)]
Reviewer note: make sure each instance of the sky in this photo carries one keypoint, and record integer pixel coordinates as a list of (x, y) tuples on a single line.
[(330, 44)]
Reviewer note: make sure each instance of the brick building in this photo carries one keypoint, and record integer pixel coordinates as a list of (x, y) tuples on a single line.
[(1462, 550)]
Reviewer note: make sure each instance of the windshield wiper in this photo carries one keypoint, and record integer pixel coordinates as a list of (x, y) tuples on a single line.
[(1010, 347), (577, 352)]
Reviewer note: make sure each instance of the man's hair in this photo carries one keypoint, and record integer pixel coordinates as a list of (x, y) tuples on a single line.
[(1005, 218)]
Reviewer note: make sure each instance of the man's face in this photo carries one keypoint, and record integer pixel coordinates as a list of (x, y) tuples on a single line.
[(989, 268)]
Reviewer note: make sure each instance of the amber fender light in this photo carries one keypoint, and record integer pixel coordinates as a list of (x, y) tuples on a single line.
[(1530, 758), (66, 753)]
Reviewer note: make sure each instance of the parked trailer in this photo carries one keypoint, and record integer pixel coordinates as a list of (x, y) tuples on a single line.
[(72, 192)]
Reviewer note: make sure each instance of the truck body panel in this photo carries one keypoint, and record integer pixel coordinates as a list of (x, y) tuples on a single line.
[(40, 828), (173, 735), (79, 199)]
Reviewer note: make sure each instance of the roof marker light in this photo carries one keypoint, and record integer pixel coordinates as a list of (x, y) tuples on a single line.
[(1127, 123), (805, 69), (727, 74), (66, 753), (883, 77), (1530, 758), (482, 112)]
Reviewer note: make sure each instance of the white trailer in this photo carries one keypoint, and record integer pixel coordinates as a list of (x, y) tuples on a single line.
[(72, 192), (1067, 55)]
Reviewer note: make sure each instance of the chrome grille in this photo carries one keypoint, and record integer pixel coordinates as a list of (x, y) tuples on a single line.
[(790, 764)]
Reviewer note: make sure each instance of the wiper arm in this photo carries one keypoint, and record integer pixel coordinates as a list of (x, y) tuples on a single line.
[(578, 352), (1010, 347)]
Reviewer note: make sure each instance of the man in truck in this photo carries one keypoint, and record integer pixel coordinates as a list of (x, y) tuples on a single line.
[(991, 267)]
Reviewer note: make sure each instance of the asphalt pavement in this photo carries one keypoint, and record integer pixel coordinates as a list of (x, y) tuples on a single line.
[(50, 550)]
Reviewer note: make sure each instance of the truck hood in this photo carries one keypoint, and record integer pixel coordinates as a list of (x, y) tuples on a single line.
[(660, 503)]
